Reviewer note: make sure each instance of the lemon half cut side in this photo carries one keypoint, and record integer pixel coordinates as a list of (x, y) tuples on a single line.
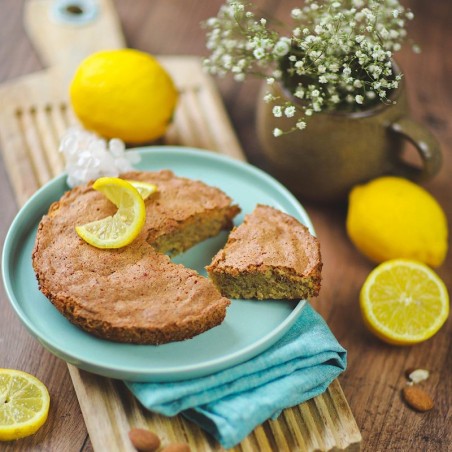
[(404, 302), (123, 227), (24, 404)]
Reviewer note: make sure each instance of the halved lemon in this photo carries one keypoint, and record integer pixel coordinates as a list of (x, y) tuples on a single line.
[(144, 189), (124, 226), (404, 302), (24, 404)]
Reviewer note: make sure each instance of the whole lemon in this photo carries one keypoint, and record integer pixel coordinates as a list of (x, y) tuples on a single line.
[(391, 217), (123, 94)]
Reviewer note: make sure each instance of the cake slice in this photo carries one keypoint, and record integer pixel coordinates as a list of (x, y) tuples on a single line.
[(271, 255), (134, 294)]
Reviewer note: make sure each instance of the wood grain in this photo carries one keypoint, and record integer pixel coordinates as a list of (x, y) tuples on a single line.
[(374, 377)]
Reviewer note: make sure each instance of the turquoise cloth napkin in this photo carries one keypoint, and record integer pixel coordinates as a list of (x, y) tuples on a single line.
[(231, 403)]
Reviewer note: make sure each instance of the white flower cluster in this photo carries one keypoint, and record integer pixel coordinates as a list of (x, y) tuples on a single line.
[(89, 157), (337, 54), (231, 51)]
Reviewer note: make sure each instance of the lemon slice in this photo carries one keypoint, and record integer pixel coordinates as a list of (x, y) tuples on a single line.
[(404, 302), (24, 404), (144, 189), (124, 226)]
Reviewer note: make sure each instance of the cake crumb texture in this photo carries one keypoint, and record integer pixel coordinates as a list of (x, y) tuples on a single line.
[(271, 255)]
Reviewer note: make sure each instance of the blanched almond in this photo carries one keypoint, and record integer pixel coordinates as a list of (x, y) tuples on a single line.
[(418, 375)]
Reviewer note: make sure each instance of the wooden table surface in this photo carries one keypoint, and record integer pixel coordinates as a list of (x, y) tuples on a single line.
[(375, 373)]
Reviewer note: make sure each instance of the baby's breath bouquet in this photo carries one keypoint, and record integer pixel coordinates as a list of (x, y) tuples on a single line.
[(334, 54)]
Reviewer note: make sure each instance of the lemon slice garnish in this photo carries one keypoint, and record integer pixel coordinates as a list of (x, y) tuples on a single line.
[(124, 226), (144, 189), (404, 302), (24, 404)]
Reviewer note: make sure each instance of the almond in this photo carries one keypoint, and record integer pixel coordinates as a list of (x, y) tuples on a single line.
[(418, 375), (417, 398), (144, 440), (176, 447)]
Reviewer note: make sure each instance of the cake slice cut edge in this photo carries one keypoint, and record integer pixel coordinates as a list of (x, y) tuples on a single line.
[(270, 256), (183, 212)]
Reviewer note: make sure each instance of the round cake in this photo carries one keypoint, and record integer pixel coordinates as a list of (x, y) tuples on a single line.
[(134, 294)]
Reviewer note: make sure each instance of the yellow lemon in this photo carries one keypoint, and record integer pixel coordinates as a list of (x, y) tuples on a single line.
[(123, 94), (391, 217), (24, 404), (404, 302), (144, 189), (124, 226)]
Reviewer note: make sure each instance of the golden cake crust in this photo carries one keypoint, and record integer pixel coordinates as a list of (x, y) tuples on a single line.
[(270, 248), (178, 202), (132, 294)]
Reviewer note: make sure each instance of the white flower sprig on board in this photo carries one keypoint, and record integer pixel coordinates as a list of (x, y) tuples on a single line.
[(334, 55)]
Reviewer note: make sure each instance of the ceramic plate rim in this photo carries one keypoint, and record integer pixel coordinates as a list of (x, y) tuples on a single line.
[(128, 371)]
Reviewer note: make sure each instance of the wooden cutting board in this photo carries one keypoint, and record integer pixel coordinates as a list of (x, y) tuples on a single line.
[(34, 114)]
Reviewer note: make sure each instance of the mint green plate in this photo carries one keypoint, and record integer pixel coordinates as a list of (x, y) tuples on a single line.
[(250, 327)]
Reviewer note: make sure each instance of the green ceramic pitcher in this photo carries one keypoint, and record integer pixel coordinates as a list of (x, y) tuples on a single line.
[(338, 150)]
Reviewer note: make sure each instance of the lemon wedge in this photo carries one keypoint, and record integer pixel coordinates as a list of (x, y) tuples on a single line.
[(144, 189), (404, 302), (24, 404), (124, 226)]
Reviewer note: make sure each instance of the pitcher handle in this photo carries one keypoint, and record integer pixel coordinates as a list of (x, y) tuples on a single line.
[(426, 145)]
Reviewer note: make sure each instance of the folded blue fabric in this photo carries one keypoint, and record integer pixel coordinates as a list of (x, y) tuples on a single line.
[(231, 403)]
